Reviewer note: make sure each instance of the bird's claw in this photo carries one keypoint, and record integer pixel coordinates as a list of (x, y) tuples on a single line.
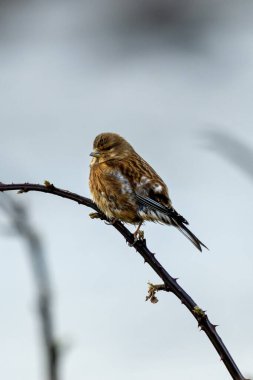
[(138, 235)]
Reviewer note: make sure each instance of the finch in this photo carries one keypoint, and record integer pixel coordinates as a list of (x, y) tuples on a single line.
[(126, 188)]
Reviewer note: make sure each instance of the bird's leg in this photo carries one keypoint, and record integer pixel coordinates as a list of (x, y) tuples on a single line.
[(138, 234)]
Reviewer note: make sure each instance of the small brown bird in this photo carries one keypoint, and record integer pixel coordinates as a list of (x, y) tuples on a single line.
[(126, 188)]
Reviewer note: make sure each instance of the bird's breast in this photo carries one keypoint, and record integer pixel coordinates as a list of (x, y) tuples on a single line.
[(113, 193)]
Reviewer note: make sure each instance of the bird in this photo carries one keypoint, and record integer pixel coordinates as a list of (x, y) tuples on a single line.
[(126, 188)]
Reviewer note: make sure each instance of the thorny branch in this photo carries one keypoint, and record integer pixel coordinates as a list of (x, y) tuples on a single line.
[(21, 225), (170, 283)]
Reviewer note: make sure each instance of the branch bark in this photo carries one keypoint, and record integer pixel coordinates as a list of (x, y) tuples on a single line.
[(170, 283)]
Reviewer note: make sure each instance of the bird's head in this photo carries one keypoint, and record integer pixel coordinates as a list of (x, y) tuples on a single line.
[(110, 146)]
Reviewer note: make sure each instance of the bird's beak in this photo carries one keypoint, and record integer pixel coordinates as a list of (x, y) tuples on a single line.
[(94, 154)]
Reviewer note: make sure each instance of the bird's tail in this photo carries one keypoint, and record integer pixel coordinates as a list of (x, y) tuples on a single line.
[(158, 212), (186, 232)]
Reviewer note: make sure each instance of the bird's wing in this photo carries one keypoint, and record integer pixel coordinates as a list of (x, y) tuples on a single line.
[(170, 212), (149, 189), (151, 194), (171, 216)]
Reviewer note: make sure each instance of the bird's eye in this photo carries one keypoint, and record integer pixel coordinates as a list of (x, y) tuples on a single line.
[(109, 147)]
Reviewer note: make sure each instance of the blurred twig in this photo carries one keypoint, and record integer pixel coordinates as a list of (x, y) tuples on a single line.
[(21, 225), (170, 283), (232, 149)]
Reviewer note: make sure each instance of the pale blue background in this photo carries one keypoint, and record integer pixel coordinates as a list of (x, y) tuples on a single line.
[(175, 79)]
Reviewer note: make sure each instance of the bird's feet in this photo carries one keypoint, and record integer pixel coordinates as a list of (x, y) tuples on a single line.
[(138, 235)]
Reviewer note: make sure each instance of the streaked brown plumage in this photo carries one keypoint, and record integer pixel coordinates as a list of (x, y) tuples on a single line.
[(125, 187)]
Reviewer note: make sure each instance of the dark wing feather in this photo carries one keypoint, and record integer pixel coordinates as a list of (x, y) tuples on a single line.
[(154, 205), (176, 219)]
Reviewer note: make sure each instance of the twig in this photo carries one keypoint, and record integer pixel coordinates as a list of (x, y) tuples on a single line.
[(152, 290), (140, 246), (21, 224)]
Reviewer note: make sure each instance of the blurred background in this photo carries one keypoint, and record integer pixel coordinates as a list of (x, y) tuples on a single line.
[(175, 79)]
